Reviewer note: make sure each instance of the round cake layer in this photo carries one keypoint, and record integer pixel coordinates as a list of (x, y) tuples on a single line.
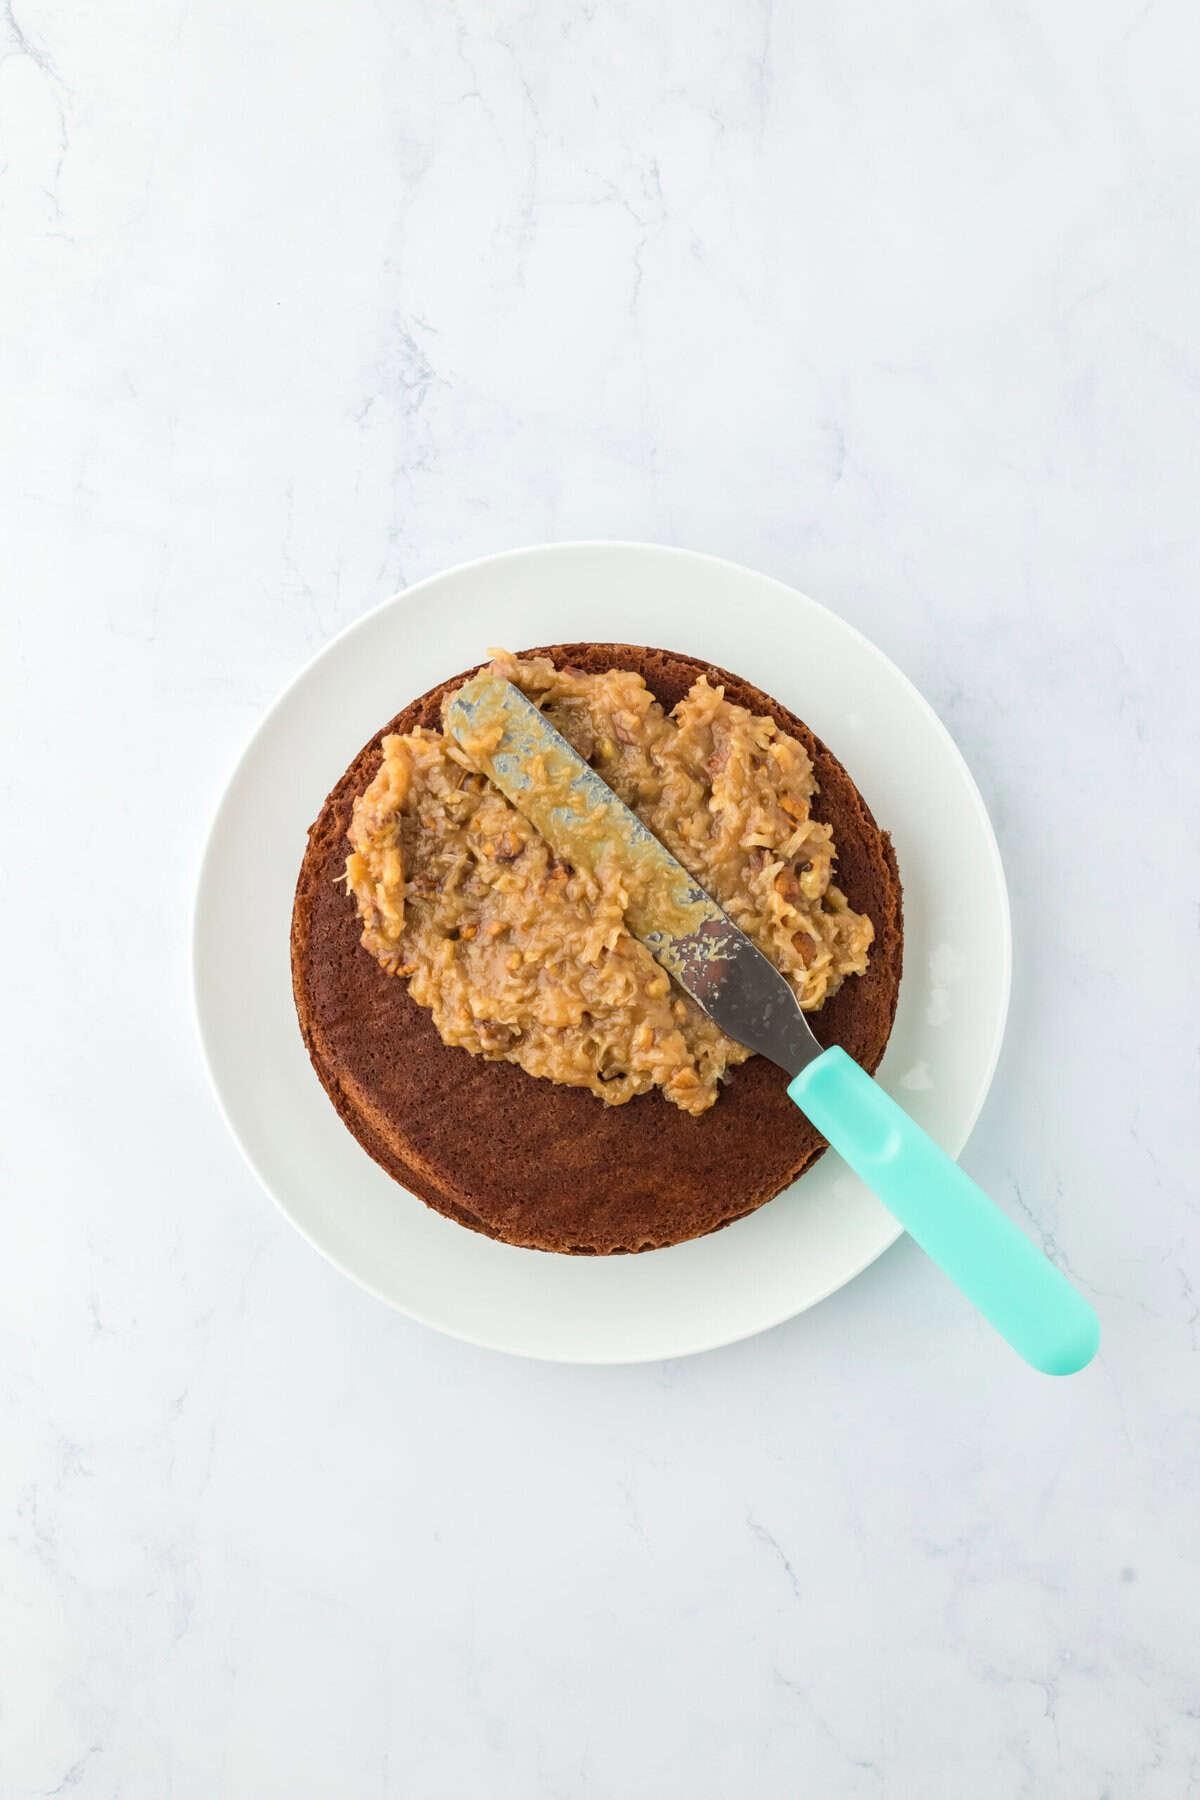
[(546, 1166)]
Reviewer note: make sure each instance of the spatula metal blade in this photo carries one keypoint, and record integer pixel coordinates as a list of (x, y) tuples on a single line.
[(585, 823)]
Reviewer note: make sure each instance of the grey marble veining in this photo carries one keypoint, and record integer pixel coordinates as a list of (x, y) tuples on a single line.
[(301, 303)]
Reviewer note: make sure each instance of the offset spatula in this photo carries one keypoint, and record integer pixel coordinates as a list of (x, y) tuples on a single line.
[(1013, 1285)]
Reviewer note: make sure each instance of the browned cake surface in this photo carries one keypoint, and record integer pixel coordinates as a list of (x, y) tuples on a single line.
[(529, 1161)]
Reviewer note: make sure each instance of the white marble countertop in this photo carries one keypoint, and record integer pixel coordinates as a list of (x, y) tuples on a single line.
[(300, 303)]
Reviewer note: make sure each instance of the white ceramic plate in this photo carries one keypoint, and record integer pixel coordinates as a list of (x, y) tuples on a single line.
[(803, 1245)]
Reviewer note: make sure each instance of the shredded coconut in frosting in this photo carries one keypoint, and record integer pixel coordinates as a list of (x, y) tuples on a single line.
[(521, 957)]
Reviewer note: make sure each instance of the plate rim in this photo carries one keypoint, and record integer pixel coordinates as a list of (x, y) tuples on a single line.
[(204, 874)]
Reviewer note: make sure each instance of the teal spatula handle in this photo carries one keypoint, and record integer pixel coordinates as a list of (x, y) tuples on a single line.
[(1000, 1271)]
